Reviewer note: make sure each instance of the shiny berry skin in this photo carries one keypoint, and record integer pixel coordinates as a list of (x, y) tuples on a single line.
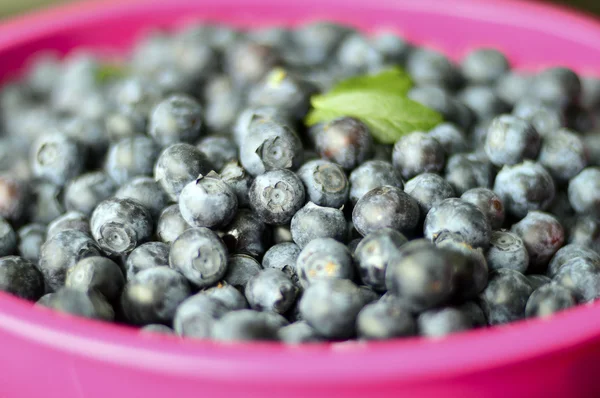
[(524, 187), (276, 196), (505, 297), (315, 222), (584, 192), (507, 250), (488, 202), (324, 258), (207, 202), (345, 141), (385, 207), (418, 153), (200, 256), (543, 235), (325, 183), (511, 140), (549, 299), (461, 217)]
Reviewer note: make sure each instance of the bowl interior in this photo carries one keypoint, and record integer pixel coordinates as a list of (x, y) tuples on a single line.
[(528, 33)]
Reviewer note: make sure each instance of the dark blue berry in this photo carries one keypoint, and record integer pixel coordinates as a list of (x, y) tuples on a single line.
[(325, 183), (507, 250), (96, 273), (21, 278), (207, 202), (372, 174), (276, 196), (505, 297), (148, 255), (324, 258)]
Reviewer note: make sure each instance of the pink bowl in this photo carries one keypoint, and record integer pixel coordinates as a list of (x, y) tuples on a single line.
[(52, 355)]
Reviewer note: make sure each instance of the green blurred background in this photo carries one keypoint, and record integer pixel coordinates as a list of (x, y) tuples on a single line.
[(11, 7)]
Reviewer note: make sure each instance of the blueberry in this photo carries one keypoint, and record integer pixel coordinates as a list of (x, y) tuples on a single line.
[(250, 115), (461, 217), (507, 250), (207, 202), (442, 101), (246, 234), (120, 225), (324, 258), (316, 222), (511, 140), (177, 166), (200, 255), (56, 158), (271, 290), (372, 174), (138, 93), (488, 202), (543, 235), (385, 207), (549, 299), (571, 252), (21, 278), (121, 123), (358, 55), (451, 137), (270, 145), (524, 187), (317, 40), (223, 101), (247, 62), (147, 192), (244, 325), (470, 265), (148, 255), (385, 320), (563, 154), (228, 296), (483, 101), (218, 150), (69, 220), (345, 141), (283, 89), (85, 192), (484, 66), (87, 304), (391, 46), (157, 328), (96, 273), (422, 277), (590, 95), (512, 86), (536, 281), (90, 134), (428, 189), (418, 153), (8, 238), (240, 269), (465, 171), (282, 234), (373, 254), (131, 157), (561, 208), (297, 333), (170, 224), (556, 86), (44, 70), (61, 252), (14, 196), (353, 244), (331, 307), (545, 119), (585, 231), (196, 315), (283, 257), (276, 196), (442, 322), (505, 297), (177, 118), (582, 276), (234, 175), (584, 192), (474, 313), (325, 183), (153, 295), (429, 67), (31, 237)]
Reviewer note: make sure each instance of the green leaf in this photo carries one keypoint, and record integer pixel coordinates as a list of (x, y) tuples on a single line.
[(394, 80), (389, 116)]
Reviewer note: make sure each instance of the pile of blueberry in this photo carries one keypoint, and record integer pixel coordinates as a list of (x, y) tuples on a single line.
[(182, 193)]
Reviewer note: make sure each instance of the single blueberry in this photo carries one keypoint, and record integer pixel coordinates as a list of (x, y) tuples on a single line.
[(96, 273), (148, 255), (507, 250), (325, 183), (549, 299), (505, 297), (372, 174), (324, 258), (543, 235), (316, 222), (276, 196), (385, 320), (21, 278)]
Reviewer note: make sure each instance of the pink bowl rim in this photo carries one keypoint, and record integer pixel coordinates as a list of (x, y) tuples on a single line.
[(409, 360)]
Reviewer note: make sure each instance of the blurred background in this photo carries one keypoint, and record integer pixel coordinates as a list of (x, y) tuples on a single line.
[(12, 7)]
